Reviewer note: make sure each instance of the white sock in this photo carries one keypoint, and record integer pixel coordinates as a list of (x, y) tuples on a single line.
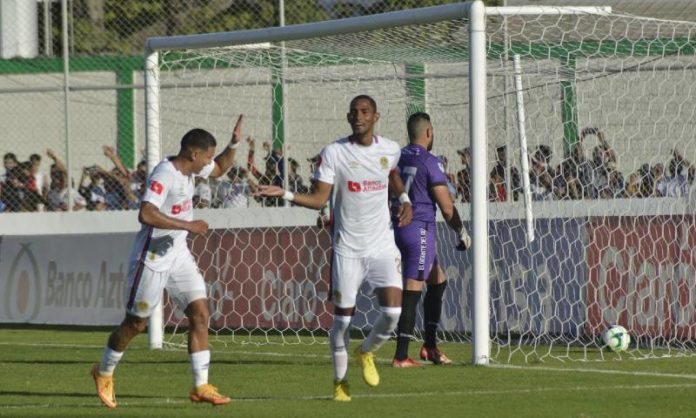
[(109, 361), (382, 328), (338, 341), (200, 361)]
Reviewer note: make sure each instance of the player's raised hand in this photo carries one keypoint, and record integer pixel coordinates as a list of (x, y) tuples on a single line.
[(464, 240), (237, 131), (198, 227), (405, 213), (109, 152), (270, 191)]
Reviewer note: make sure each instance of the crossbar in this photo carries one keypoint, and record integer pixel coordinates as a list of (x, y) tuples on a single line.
[(312, 30), (546, 10)]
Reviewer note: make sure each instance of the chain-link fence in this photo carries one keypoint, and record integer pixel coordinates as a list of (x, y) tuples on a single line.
[(78, 129), (80, 132)]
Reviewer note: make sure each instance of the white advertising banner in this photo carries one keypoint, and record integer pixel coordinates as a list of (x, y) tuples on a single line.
[(67, 279)]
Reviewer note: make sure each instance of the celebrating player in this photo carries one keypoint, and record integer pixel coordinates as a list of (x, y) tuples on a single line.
[(361, 169), (161, 259), (426, 185)]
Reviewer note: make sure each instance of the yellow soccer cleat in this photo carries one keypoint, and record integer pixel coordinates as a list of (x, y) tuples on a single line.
[(208, 393), (341, 391), (105, 387), (367, 362)]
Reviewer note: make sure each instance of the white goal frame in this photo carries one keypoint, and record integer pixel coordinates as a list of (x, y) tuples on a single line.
[(476, 13)]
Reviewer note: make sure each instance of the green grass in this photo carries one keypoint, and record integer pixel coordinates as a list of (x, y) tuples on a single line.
[(45, 373)]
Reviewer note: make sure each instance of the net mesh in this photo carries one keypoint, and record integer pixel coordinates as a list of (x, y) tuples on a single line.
[(609, 125)]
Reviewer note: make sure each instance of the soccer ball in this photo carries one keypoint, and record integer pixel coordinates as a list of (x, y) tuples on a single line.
[(616, 338)]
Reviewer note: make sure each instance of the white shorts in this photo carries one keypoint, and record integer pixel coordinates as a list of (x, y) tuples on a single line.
[(184, 284), (348, 274)]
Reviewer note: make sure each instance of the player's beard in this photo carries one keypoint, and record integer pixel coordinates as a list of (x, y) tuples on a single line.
[(359, 130)]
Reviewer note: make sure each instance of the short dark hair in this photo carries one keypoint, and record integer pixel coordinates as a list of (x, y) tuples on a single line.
[(10, 156), (34, 157), (499, 171), (414, 122), (198, 138), (372, 101)]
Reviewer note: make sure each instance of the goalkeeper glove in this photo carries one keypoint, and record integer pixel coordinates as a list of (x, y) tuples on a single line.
[(464, 240)]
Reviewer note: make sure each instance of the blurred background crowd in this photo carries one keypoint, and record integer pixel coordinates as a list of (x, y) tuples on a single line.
[(585, 174)]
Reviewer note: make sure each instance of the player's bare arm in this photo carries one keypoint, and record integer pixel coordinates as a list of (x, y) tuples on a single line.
[(396, 186), (150, 215), (225, 159), (449, 212), (314, 200)]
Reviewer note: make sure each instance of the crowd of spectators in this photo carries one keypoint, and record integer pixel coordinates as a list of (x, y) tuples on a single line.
[(24, 187), (577, 177)]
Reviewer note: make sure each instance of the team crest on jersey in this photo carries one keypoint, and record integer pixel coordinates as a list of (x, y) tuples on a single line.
[(384, 163)]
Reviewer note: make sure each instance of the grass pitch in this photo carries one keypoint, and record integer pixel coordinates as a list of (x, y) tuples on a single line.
[(45, 373)]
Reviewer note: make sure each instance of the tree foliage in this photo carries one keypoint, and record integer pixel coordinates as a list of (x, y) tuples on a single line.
[(121, 26)]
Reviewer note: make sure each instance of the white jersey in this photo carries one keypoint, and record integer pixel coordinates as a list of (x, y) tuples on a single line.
[(360, 178), (172, 193)]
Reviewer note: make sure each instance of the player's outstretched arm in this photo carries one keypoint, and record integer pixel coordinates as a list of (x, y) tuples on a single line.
[(314, 200), (225, 159), (150, 215), (396, 186), (451, 215)]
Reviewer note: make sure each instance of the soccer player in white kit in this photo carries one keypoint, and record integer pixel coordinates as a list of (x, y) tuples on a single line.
[(360, 169), (161, 259)]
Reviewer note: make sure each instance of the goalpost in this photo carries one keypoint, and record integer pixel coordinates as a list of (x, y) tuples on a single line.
[(267, 268)]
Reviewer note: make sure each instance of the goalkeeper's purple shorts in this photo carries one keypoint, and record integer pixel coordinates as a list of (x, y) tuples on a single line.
[(417, 242)]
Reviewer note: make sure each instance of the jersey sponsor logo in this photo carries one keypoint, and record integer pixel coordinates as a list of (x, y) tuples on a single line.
[(186, 206), (156, 187), (366, 186), (354, 186), (384, 163)]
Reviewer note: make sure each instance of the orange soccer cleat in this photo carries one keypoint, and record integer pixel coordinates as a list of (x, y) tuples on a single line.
[(105, 387), (408, 362), (434, 355), (208, 393)]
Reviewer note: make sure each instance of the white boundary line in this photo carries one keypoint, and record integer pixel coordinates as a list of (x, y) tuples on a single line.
[(593, 370), (387, 361)]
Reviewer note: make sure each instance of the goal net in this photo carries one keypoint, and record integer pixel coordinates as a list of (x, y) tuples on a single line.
[(609, 122)]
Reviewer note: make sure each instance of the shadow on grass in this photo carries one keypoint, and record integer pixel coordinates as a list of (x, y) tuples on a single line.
[(184, 360), (43, 394)]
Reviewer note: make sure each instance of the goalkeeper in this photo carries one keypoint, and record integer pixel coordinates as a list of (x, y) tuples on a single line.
[(426, 185)]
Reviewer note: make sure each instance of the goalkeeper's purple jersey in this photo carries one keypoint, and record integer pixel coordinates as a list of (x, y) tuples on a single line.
[(420, 171)]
